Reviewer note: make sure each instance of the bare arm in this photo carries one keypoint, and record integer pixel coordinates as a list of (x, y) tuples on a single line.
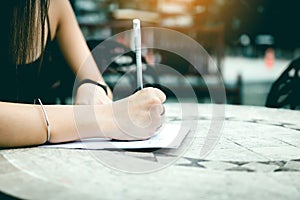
[(72, 42), (135, 117), (25, 125)]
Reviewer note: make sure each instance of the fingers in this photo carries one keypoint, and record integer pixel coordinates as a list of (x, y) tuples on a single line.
[(163, 111), (140, 115), (154, 92), (160, 95), (157, 110), (157, 114)]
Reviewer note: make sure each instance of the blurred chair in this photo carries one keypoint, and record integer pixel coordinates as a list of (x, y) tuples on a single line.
[(116, 59), (285, 91)]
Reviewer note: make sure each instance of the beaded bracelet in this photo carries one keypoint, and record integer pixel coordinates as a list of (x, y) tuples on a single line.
[(46, 118)]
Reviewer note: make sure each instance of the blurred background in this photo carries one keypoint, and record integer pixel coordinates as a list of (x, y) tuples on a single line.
[(251, 41)]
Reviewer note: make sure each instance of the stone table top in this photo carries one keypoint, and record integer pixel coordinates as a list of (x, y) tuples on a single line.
[(254, 155)]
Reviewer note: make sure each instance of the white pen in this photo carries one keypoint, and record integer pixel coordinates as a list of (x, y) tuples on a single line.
[(138, 52)]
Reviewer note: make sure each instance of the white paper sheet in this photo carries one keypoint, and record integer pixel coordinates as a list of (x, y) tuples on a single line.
[(169, 136)]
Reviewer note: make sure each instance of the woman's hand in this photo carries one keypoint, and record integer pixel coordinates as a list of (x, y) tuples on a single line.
[(91, 94), (139, 116)]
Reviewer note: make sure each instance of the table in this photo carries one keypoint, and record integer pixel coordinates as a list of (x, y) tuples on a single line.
[(256, 157)]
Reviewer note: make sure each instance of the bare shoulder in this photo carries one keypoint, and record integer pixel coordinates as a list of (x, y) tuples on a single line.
[(58, 10)]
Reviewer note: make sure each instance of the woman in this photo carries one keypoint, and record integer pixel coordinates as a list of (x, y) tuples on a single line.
[(32, 25)]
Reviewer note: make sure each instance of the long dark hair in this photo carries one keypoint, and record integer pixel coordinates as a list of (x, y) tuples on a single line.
[(27, 29)]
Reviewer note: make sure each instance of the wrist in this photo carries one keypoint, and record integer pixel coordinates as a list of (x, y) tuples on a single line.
[(105, 123), (90, 81)]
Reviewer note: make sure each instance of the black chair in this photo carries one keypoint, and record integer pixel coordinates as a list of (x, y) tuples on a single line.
[(285, 91)]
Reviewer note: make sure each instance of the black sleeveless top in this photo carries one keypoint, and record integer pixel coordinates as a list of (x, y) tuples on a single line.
[(26, 82)]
